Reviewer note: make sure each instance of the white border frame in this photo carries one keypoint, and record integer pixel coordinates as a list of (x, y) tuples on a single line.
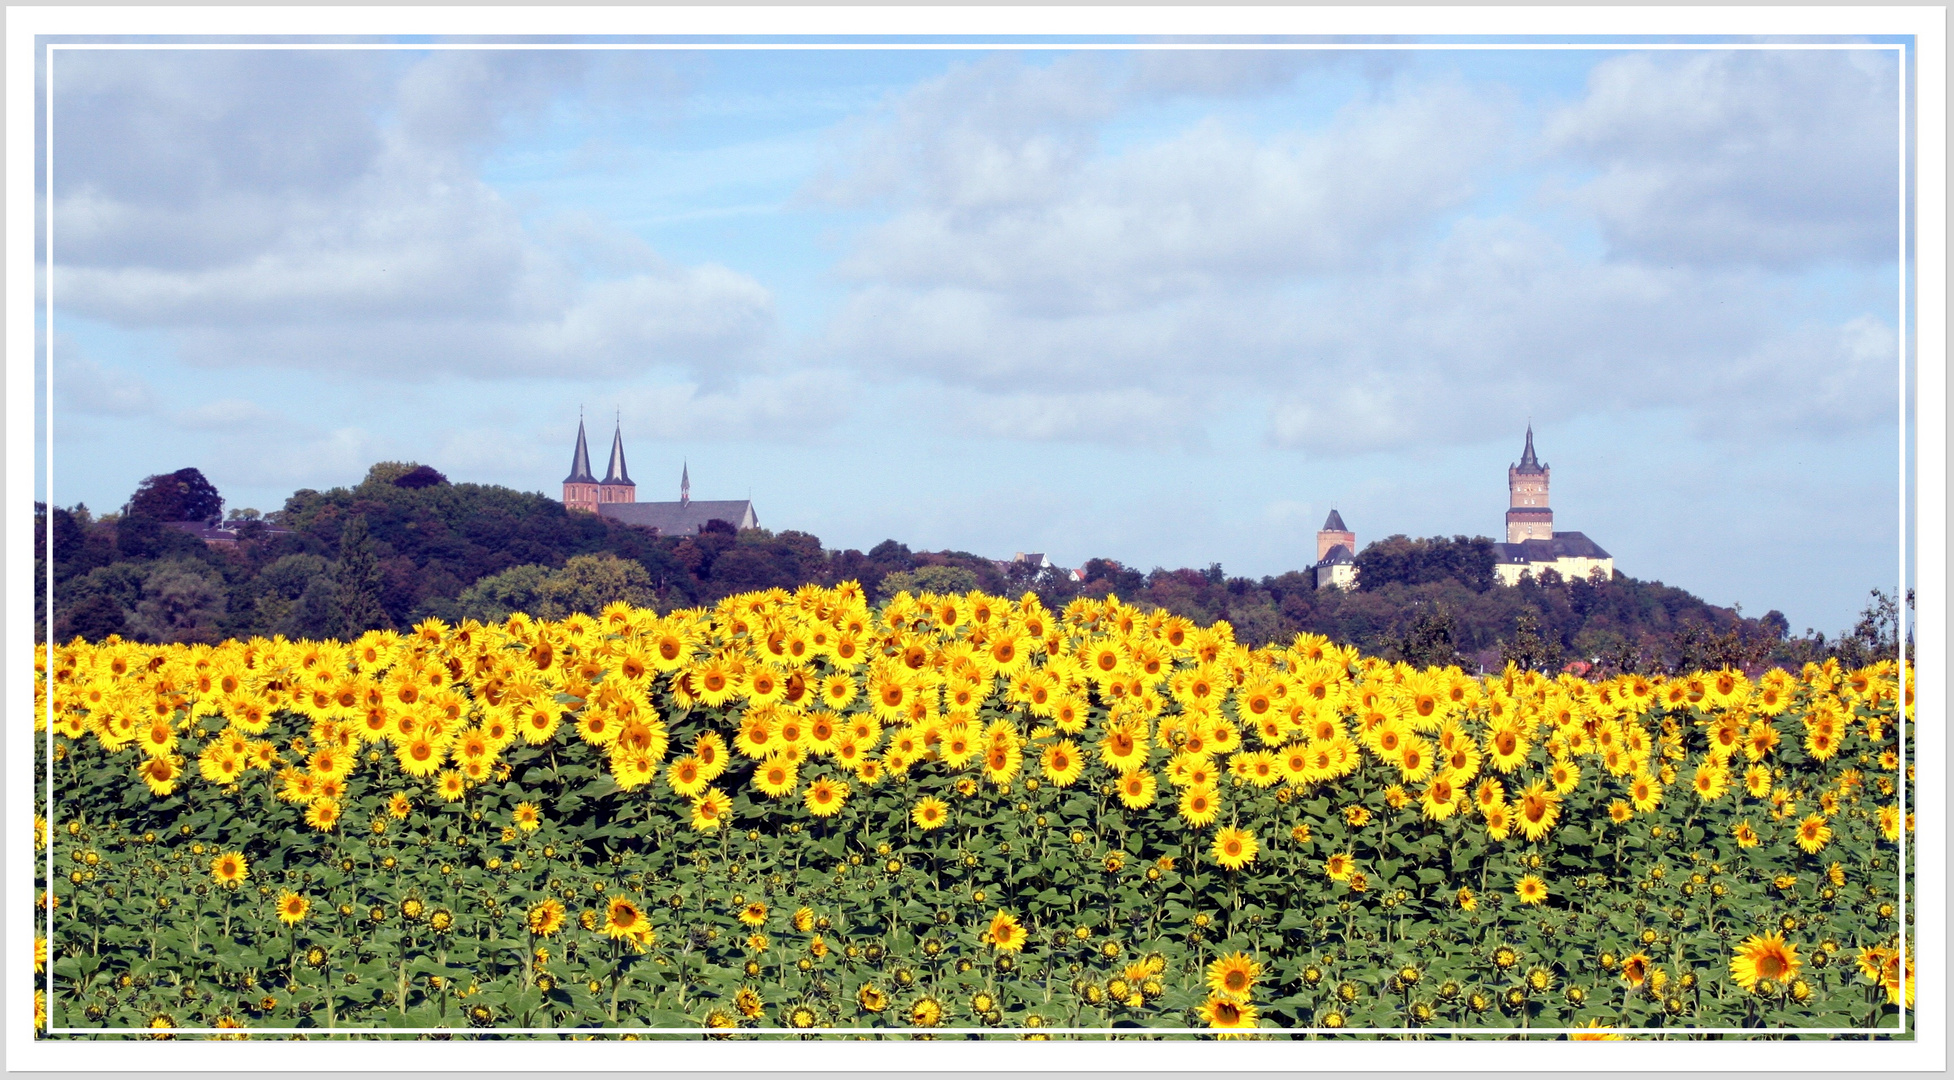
[(1006, 28)]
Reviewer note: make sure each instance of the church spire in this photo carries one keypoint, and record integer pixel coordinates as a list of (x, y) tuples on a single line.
[(684, 484), (580, 461), (1529, 463), (617, 473)]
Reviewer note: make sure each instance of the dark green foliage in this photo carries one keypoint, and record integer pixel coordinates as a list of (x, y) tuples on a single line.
[(1399, 560), (183, 495), (357, 582)]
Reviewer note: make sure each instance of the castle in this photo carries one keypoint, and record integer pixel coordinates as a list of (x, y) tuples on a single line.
[(1532, 546), (616, 496)]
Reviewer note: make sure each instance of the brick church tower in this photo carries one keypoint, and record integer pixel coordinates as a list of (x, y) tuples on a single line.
[(580, 489), (1528, 517)]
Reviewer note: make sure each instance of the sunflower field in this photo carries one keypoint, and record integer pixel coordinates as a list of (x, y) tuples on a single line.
[(951, 816)]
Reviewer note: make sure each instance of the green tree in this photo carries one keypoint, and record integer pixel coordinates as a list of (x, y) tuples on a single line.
[(181, 602), (493, 598), (589, 582), (935, 579), (358, 582), (1529, 648)]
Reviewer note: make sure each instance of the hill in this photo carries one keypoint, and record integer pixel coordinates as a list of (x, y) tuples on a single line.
[(405, 544)]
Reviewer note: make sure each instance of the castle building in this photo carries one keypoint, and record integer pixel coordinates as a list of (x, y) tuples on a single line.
[(1532, 546), (1336, 559), (616, 496)]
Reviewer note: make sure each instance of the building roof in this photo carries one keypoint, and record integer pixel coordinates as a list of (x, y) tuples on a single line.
[(681, 519), (617, 473), (1528, 463), (1334, 523), (1338, 554), (1564, 545), (580, 462)]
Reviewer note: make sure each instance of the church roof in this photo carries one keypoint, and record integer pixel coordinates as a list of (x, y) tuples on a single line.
[(580, 462), (1334, 523), (1529, 463), (617, 473), (681, 519), (1564, 545)]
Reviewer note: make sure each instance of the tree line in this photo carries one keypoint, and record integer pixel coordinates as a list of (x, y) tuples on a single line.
[(405, 544)]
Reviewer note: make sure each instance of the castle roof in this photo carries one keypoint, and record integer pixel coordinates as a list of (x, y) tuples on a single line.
[(617, 473), (681, 518), (580, 462), (1336, 555), (1334, 523), (1528, 463), (1564, 545)]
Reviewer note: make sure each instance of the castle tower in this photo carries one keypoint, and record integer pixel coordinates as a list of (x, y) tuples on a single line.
[(580, 489), (1332, 534), (1528, 517), (617, 486)]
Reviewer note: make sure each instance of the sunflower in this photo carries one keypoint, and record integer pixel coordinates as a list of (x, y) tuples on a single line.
[(747, 1000), (1200, 805), (930, 813), (1635, 969), (1764, 956), (1136, 789), (1234, 976), (292, 907), (230, 869), (1340, 866), (1224, 1012), (419, 757), (527, 816), (1814, 834), (546, 918), (871, 998), (323, 815), (1531, 889), (1711, 780), (1234, 848), (709, 809), (161, 773), (1062, 763), (399, 806), (1644, 793), (777, 776), (623, 919), (926, 1012), (1005, 934), (825, 797), (1536, 810)]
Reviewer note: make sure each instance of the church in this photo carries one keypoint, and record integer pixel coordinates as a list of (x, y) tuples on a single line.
[(616, 496), (1532, 546)]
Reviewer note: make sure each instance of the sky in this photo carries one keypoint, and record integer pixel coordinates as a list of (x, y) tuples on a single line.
[(1165, 306)]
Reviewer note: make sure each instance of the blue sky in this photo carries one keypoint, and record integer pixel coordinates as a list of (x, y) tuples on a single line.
[(1164, 306)]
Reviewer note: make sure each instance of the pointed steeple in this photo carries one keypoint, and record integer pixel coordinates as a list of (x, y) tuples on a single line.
[(1334, 523), (580, 462), (617, 473), (1529, 463), (684, 484)]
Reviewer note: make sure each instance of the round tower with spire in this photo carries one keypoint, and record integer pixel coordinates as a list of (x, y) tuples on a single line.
[(581, 490), (1528, 516)]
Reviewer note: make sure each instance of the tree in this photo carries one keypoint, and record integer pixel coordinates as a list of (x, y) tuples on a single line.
[(588, 583), (91, 620), (181, 602), (421, 476), (1430, 640), (495, 598), (358, 582), (1529, 649), (183, 495), (1400, 560), (935, 579)]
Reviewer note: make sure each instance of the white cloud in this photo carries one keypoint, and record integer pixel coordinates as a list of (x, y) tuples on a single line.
[(83, 385), (789, 407), (350, 231), (1772, 158), (230, 415)]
